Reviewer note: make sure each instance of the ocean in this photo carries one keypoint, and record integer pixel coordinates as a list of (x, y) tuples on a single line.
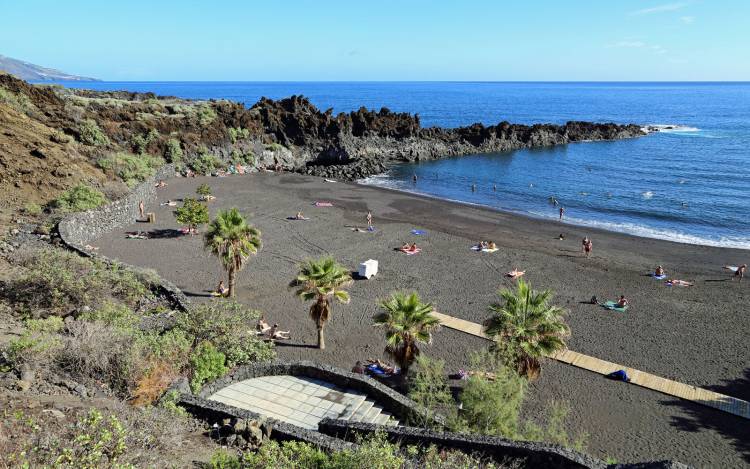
[(689, 184)]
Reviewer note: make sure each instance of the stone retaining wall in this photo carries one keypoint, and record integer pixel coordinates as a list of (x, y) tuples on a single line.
[(79, 229), (215, 412), (394, 402)]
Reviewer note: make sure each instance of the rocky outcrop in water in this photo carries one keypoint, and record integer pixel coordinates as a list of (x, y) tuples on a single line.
[(360, 143)]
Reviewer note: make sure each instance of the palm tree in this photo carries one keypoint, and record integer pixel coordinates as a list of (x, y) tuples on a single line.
[(407, 322), (527, 327), (321, 281), (232, 240)]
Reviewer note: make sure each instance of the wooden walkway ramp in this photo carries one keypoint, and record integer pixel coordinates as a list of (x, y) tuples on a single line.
[(695, 394)]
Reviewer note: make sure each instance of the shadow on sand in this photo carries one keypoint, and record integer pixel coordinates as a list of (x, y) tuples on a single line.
[(281, 343), (165, 233), (702, 418)]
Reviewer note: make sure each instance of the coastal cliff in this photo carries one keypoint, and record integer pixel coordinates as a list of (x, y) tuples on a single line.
[(54, 138)]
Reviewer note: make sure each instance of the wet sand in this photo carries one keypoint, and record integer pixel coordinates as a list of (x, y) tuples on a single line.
[(696, 335)]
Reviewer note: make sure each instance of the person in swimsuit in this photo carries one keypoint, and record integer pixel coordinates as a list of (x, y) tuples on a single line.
[(221, 289), (358, 368), (141, 209), (414, 178), (740, 273), (659, 271), (277, 334), (562, 211), (587, 246), (262, 327), (622, 302), (369, 219)]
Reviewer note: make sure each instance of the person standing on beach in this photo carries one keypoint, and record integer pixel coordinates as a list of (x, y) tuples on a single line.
[(587, 246), (141, 209), (369, 219), (741, 272), (562, 211)]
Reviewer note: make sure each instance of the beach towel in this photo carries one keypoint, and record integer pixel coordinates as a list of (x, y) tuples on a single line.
[(375, 369), (732, 268), (613, 306), (323, 204), (658, 277), (410, 252), (295, 218), (619, 375), (329, 180), (187, 231), (479, 248), (418, 232)]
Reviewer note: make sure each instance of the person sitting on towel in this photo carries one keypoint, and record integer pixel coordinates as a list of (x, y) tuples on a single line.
[(622, 302), (358, 368), (276, 334), (300, 216), (491, 245), (405, 247), (659, 271)]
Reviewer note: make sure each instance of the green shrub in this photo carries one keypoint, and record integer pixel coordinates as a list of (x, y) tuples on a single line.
[(203, 190), (60, 137), (32, 209), (493, 407), (242, 158), (132, 169), (139, 144), (192, 213), (50, 324), (169, 403), (231, 327), (116, 315), (31, 347), (274, 146), (20, 102), (79, 199), (429, 388), (58, 281), (205, 163), (206, 114), (173, 151), (90, 134), (238, 133), (207, 364)]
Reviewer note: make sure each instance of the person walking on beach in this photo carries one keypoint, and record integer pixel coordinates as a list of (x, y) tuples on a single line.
[(369, 219), (141, 209), (562, 211), (587, 246), (740, 273)]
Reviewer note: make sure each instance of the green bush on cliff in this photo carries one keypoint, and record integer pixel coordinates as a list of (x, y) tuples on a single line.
[(90, 133), (205, 163), (79, 198), (132, 169), (238, 157), (20, 102), (173, 151), (206, 114), (207, 363), (238, 133)]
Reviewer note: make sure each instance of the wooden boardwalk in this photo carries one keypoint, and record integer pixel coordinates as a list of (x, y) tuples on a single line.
[(695, 394)]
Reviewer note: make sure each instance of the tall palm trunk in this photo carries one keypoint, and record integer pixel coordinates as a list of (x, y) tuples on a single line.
[(321, 306), (231, 273)]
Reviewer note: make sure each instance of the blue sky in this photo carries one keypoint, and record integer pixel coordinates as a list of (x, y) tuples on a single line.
[(382, 39)]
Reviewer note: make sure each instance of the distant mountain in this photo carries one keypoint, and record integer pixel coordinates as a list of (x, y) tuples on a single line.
[(31, 72)]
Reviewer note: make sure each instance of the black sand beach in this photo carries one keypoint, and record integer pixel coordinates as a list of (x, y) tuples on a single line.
[(695, 335)]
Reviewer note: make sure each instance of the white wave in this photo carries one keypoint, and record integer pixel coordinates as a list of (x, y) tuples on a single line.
[(385, 181), (647, 194), (669, 128), (658, 233)]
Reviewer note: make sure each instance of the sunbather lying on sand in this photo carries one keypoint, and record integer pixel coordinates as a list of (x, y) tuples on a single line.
[(277, 334), (410, 249), (382, 365), (515, 273), (170, 203), (161, 183), (300, 216), (208, 197), (136, 235), (678, 283)]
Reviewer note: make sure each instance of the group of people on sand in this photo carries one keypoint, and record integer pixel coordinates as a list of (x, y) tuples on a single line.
[(487, 245), (272, 332), (410, 247)]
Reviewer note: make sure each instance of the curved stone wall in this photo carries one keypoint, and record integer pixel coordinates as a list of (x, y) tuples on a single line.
[(79, 229), (395, 403)]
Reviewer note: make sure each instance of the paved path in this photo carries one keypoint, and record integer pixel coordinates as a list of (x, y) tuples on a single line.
[(695, 394), (301, 401)]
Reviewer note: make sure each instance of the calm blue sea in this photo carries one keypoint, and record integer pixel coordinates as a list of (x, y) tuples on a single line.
[(689, 185)]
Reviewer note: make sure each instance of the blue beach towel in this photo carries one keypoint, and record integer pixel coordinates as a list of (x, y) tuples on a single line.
[(613, 306), (418, 232), (659, 277)]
